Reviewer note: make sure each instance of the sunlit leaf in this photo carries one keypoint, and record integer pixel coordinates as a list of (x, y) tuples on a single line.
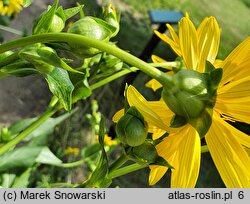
[(61, 86)]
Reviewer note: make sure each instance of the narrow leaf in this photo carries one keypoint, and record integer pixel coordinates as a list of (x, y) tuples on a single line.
[(23, 180), (72, 11), (44, 22)]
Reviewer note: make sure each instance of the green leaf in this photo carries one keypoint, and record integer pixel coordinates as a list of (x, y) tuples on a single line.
[(61, 86), (72, 11), (47, 157), (44, 22), (209, 67), (178, 121), (44, 130), (22, 181), (44, 58), (162, 162), (22, 157), (98, 178), (215, 78), (19, 68), (7, 180), (203, 122), (90, 150), (61, 14), (26, 3), (82, 90)]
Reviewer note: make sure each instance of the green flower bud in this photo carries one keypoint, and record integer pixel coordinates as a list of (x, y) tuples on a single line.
[(111, 17), (144, 153), (93, 28), (131, 129), (56, 25), (5, 135), (189, 95)]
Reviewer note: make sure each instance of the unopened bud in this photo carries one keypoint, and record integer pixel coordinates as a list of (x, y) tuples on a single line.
[(189, 95), (144, 153), (91, 27), (131, 129)]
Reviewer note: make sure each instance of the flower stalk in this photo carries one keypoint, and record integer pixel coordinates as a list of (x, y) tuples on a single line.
[(164, 79)]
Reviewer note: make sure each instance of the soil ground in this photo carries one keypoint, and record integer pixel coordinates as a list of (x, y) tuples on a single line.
[(24, 97)]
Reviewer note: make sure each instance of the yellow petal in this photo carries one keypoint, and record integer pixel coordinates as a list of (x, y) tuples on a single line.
[(173, 34), (153, 84), (187, 159), (174, 45), (156, 173), (233, 100), (118, 115), (230, 158), (188, 43), (137, 100), (237, 65), (208, 42), (182, 151)]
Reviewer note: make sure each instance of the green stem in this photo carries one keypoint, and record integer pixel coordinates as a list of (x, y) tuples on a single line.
[(111, 78), (126, 170), (61, 185), (163, 78), (72, 164), (11, 30), (118, 163), (27, 131), (204, 149)]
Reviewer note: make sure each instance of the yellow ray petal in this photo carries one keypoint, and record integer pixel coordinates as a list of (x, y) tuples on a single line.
[(137, 100), (182, 150), (187, 159), (118, 115), (173, 34), (188, 43), (208, 42), (153, 84), (230, 158), (166, 149), (237, 65), (173, 44), (156, 173), (233, 99)]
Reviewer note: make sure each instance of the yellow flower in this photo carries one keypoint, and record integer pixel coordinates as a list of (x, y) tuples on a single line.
[(72, 151), (228, 146), (10, 7), (108, 140)]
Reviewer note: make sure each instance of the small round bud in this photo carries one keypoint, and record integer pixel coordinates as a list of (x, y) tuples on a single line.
[(189, 95), (56, 25), (144, 153), (5, 135), (90, 27), (131, 129)]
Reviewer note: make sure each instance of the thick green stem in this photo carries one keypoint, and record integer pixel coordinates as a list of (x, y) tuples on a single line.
[(118, 163), (126, 170), (163, 78), (27, 131)]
